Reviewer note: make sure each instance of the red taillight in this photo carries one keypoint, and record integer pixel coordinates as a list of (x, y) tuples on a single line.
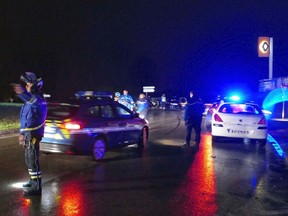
[(72, 126), (262, 121), (217, 118)]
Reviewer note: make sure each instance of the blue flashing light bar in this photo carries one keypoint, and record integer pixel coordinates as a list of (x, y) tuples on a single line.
[(87, 94), (235, 98)]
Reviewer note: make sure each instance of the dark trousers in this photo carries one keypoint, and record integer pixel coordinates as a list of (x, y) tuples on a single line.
[(31, 153), (197, 127)]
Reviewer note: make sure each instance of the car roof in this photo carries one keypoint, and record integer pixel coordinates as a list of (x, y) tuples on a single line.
[(240, 102), (82, 101)]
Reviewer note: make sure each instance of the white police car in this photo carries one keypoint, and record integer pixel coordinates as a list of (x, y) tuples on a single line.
[(239, 120), (91, 125)]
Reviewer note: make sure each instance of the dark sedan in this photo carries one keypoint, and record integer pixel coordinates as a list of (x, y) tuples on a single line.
[(91, 127)]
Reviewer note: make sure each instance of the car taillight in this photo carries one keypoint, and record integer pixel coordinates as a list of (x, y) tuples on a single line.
[(72, 126), (217, 118), (262, 121)]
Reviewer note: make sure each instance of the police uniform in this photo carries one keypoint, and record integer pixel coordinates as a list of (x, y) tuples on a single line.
[(193, 118), (142, 107), (127, 101), (32, 120)]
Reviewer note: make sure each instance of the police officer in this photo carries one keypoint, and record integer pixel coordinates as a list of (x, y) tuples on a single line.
[(163, 102), (32, 120), (193, 118), (142, 106), (126, 100), (116, 96)]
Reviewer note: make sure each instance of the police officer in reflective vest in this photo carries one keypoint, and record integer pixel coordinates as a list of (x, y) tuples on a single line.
[(126, 100), (32, 120)]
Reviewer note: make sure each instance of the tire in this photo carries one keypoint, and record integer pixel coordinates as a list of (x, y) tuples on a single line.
[(143, 138), (215, 138), (262, 142), (99, 149)]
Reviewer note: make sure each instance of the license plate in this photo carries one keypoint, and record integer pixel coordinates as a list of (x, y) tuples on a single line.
[(233, 131)]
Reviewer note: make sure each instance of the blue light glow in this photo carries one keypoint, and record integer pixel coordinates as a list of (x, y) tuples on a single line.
[(274, 97), (276, 146), (235, 98)]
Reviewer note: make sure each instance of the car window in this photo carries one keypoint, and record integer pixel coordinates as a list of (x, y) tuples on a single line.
[(93, 111), (226, 108), (123, 113), (107, 111), (61, 111), (240, 109)]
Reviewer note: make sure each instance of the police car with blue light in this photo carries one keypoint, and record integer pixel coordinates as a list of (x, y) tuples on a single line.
[(237, 119), (90, 124)]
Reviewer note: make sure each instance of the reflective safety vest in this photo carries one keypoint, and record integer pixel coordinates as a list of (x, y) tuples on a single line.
[(33, 114)]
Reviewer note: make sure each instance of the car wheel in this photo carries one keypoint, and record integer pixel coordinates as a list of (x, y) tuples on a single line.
[(143, 138), (99, 149), (215, 139), (262, 142)]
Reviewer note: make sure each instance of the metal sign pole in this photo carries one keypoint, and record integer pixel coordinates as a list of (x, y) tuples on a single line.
[(271, 59)]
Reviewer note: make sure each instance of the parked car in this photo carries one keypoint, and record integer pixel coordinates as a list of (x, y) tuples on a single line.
[(207, 107), (173, 103), (183, 102), (91, 126), (239, 120), (209, 113)]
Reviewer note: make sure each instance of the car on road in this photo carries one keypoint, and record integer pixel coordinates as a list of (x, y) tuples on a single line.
[(207, 107), (91, 126), (209, 111), (239, 120), (173, 103)]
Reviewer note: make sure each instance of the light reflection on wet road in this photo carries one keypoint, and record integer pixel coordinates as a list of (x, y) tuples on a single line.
[(229, 178)]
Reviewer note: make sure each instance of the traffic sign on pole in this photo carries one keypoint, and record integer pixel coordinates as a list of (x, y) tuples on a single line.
[(265, 49), (148, 89)]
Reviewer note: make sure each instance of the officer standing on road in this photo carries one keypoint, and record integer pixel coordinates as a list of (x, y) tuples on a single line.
[(142, 106), (32, 120), (163, 102), (126, 100), (193, 118)]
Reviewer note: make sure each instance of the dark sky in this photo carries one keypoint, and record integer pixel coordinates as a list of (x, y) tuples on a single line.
[(209, 46)]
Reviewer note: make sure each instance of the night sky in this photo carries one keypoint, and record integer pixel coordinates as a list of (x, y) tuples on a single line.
[(208, 46)]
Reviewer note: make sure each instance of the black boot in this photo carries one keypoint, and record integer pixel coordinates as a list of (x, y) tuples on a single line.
[(27, 184), (35, 189)]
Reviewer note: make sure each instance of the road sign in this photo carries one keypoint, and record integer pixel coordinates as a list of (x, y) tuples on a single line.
[(148, 89), (263, 46)]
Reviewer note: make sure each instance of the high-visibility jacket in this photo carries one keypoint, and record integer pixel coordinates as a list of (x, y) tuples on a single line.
[(33, 114)]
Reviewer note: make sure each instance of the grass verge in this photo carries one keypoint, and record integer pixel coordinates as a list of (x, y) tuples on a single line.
[(9, 117)]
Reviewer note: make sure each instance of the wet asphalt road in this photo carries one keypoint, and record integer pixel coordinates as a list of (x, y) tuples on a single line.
[(229, 178)]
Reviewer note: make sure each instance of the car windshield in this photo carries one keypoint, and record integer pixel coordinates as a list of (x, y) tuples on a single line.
[(252, 109), (61, 112)]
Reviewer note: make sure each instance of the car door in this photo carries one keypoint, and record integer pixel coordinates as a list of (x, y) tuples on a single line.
[(129, 125), (103, 121)]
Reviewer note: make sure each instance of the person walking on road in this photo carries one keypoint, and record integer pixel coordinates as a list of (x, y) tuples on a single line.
[(32, 120), (142, 106), (193, 118)]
